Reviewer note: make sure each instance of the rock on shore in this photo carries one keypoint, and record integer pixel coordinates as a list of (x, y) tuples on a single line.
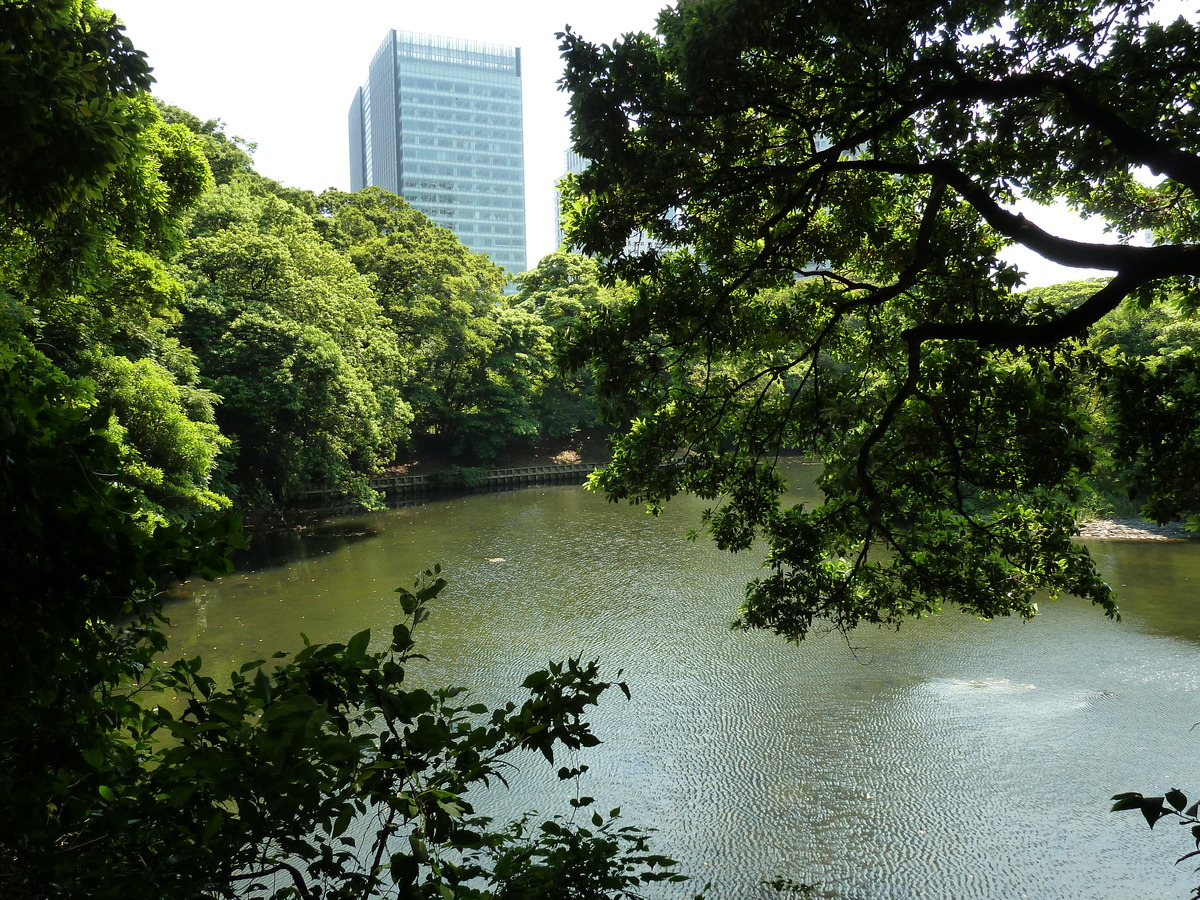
[(1134, 530)]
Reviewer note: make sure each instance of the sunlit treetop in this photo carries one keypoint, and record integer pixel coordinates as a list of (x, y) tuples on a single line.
[(70, 76)]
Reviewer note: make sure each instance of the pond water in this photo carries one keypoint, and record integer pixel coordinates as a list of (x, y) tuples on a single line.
[(955, 758)]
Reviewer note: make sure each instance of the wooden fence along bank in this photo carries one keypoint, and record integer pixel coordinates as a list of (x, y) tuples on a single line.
[(399, 487)]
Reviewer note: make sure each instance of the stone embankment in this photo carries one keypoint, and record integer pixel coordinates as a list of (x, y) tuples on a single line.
[(1134, 530), (403, 486)]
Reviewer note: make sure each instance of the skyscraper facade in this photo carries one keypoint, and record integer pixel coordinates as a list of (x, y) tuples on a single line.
[(439, 123)]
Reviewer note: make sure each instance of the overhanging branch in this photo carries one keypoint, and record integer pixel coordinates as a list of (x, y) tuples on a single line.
[(1039, 334), (1145, 263)]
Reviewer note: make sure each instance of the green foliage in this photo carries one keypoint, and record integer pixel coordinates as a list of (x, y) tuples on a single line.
[(472, 476), (1156, 414), (89, 280), (322, 774), (423, 273), (578, 862), (479, 364), (564, 290), (69, 77), (1138, 377), (96, 269), (444, 305), (1148, 405), (168, 454), (493, 404), (59, 443), (81, 550), (227, 156), (822, 197), (293, 340)]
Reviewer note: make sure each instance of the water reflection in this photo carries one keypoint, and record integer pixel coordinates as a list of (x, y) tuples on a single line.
[(954, 759)]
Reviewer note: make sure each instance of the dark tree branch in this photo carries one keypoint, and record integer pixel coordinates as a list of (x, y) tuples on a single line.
[(933, 207), (297, 878), (1147, 263), (1042, 334)]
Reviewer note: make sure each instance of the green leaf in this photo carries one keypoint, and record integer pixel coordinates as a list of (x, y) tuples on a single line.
[(408, 601), (401, 638), (262, 685), (536, 680), (1152, 810), (214, 825), (343, 821), (407, 705), (356, 647), (404, 869)]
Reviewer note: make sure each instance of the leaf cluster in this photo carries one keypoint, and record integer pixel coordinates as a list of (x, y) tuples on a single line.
[(294, 341), (1173, 805), (70, 79)]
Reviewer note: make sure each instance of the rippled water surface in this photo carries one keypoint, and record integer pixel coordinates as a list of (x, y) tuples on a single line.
[(953, 759)]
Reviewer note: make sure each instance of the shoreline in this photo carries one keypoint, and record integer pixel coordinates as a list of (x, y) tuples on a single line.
[(438, 469), (1134, 530)]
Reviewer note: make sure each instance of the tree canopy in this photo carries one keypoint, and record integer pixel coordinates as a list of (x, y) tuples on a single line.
[(293, 339), (479, 369), (69, 108), (825, 189)]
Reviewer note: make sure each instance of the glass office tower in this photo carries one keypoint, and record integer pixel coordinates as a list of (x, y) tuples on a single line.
[(439, 123)]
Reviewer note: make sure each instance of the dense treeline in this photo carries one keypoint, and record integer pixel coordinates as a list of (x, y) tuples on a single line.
[(335, 328), (1147, 365), (251, 338)]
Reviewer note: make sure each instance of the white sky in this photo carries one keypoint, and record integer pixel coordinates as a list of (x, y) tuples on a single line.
[(283, 74)]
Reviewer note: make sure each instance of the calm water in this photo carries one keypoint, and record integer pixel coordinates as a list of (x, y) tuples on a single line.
[(953, 759)]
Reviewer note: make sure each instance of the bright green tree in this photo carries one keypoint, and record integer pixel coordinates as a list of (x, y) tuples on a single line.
[(293, 340), (105, 455), (228, 156), (72, 82), (477, 361), (440, 298), (492, 405), (95, 184)]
